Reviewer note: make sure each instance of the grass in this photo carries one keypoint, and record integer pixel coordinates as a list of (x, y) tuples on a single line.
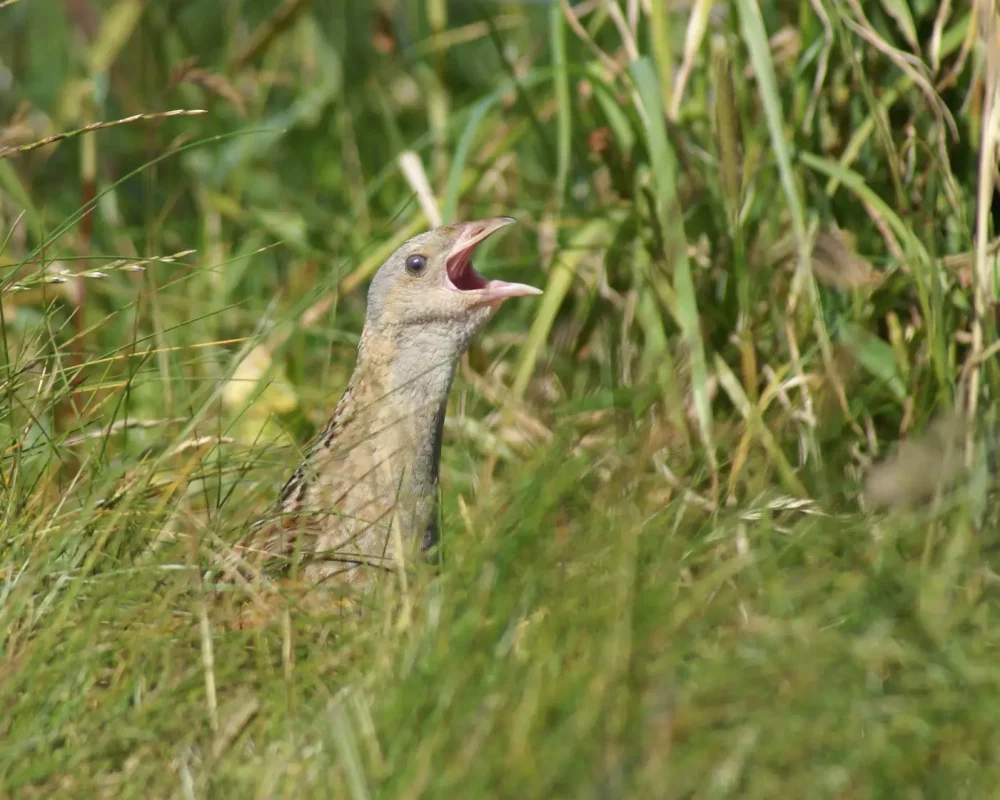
[(718, 507)]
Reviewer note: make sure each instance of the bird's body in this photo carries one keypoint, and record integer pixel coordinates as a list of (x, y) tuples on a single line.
[(365, 496), (373, 465)]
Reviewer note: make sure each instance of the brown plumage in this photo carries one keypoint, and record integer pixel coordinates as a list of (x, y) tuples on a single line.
[(368, 484)]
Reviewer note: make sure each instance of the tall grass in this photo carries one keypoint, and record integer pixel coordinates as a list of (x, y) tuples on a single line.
[(685, 552)]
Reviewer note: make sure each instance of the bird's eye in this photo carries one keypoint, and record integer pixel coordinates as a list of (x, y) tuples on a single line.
[(415, 264)]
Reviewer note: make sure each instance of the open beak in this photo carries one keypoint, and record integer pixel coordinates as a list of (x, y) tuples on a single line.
[(461, 276)]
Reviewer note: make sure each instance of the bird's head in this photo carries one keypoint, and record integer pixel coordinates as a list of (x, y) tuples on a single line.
[(428, 285)]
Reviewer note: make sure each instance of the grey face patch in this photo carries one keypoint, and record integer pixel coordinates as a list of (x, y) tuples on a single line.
[(393, 280)]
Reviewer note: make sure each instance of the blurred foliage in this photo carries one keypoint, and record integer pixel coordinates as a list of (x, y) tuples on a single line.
[(754, 222)]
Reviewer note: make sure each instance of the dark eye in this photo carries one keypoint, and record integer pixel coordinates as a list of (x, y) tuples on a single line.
[(415, 264)]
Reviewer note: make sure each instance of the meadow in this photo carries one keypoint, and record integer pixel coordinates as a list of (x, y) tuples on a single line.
[(717, 507)]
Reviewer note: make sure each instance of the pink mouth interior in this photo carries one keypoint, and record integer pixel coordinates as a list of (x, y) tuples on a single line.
[(462, 274)]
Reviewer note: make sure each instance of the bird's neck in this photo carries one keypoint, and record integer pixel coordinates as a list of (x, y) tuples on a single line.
[(405, 381)]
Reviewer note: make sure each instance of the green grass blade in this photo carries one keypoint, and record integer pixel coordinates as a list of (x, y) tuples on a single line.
[(561, 277), (755, 37), (664, 165), (564, 110)]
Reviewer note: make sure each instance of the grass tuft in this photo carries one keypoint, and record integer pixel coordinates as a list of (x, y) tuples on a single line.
[(719, 508)]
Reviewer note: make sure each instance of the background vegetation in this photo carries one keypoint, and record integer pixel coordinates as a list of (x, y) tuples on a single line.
[(670, 568)]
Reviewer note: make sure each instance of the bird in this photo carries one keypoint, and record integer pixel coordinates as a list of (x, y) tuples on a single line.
[(364, 499)]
